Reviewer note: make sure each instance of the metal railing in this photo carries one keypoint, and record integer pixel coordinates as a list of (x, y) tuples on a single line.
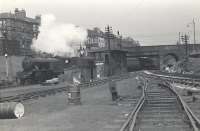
[(105, 80)]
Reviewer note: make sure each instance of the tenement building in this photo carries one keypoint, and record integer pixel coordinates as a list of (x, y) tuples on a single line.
[(16, 34), (17, 31)]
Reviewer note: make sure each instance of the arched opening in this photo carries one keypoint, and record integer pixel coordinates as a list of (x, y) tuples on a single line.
[(106, 59), (169, 62)]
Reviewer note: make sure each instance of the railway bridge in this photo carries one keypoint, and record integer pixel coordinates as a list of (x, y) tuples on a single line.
[(146, 57), (162, 55)]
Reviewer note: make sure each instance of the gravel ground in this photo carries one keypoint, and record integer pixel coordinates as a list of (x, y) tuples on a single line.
[(27, 89), (96, 113)]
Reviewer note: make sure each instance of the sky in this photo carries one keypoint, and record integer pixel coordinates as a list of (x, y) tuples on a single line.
[(151, 22)]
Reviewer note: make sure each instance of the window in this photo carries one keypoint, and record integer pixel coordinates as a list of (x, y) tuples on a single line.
[(3, 24)]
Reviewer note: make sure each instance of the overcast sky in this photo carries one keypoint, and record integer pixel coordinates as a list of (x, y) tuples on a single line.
[(149, 21)]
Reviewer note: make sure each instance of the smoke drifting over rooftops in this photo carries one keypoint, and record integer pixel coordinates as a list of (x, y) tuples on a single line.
[(58, 38)]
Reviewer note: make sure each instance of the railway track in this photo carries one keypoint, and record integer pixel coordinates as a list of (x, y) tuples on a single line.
[(188, 88), (160, 109), (34, 94), (194, 82)]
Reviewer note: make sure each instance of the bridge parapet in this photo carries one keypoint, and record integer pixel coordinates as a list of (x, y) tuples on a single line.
[(158, 56), (161, 50)]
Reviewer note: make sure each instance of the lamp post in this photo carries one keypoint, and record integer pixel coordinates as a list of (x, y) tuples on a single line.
[(194, 32)]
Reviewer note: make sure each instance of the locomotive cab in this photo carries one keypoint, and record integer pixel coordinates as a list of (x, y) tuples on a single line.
[(38, 70)]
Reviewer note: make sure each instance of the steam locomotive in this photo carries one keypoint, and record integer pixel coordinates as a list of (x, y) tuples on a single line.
[(38, 70)]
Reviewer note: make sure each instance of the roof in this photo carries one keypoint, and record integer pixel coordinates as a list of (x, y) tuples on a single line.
[(13, 16)]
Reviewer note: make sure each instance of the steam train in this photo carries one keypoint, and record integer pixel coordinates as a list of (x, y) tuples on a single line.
[(38, 70)]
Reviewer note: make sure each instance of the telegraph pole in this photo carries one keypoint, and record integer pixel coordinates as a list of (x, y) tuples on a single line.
[(194, 31), (112, 84), (109, 36), (185, 39)]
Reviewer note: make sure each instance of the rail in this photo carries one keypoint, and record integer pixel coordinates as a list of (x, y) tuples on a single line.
[(184, 106), (177, 79), (194, 121), (32, 95), (44, 92), (131, 121)]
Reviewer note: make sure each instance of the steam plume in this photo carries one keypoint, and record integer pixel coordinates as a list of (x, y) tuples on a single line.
[(58, 38)]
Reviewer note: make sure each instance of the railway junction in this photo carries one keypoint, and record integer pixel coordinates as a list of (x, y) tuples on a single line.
[(113, 85), (147, 101)]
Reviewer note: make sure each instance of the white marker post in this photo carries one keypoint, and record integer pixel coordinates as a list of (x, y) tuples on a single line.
[(7, 70)]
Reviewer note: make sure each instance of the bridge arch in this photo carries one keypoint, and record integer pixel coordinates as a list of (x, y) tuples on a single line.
[(172, 55), (169, 62)]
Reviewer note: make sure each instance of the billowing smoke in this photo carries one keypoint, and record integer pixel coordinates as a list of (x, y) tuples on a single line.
[(58, 38)]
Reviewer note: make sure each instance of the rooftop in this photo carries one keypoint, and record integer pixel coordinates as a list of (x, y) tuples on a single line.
[(21, 16)]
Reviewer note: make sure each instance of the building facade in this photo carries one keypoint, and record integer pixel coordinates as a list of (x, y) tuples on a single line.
[(96, 39), (97, 47), (17, 32)]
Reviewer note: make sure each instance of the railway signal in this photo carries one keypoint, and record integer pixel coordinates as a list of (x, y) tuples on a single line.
[(109, 35), (185, 39)]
